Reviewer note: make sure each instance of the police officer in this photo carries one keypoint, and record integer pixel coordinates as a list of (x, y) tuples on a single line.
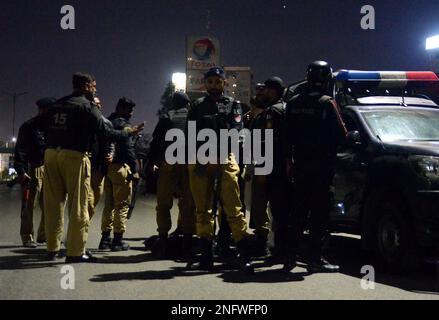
[(71, 123), (102, 152), (172, 178), (271, 188), (256, 105), (314, 130), (29, 164), (216, 111), (118, 187)]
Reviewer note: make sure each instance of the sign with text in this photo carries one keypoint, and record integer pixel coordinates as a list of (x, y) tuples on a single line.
[(202, 53)]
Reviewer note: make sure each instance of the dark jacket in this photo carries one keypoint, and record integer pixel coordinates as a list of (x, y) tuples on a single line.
[(31, 144), (124, 149), (173, 119), (101, 148), (273, 117), (226, 113), (314, 130), (72, 123)]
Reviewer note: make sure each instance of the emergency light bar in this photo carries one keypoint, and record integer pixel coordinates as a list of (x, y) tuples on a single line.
[(346, 75), (385, 78)]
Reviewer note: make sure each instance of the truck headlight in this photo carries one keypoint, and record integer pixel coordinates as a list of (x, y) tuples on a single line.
[(426, 166)]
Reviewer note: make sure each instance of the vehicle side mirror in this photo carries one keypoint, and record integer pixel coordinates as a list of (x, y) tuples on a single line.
[(353, 139)]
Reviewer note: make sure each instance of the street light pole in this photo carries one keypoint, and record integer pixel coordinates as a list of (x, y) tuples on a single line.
[(14, 96)]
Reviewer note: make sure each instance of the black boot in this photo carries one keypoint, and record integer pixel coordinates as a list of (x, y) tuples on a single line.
[(118, 244), (321, 265), (244, 250), (105, 243), (159, 249), (85, 258), (187, 247), (260, 249), (206, 260), (223, 247), (289, 263)]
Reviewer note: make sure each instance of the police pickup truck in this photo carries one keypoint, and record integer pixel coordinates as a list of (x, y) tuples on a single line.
[(386, 186)]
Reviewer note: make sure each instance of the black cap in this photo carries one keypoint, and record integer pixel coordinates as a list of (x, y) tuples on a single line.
[(180, 100), (125, 103), (45, 102), (275, 83), (215, 72)]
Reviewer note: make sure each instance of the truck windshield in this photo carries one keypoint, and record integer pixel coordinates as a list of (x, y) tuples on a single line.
[(394, 125)]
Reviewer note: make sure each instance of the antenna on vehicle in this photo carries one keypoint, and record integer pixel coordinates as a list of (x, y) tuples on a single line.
[(402, 96)]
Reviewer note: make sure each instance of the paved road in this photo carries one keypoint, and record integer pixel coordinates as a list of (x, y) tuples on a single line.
[(136, 275)]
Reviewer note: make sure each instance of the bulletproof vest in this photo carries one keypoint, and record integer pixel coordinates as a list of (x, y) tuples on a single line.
[(68, 125), (178, 118), (309, 112), (310, 130), (226, 113)]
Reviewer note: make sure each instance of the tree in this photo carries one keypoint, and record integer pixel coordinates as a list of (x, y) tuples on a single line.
[(166, 99)]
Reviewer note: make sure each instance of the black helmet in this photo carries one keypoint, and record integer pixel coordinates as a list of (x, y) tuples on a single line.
[(319, 74), (277, 84), (180, 100)]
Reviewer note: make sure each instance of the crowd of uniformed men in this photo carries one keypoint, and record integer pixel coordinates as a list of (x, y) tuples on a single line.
[(76, 155)]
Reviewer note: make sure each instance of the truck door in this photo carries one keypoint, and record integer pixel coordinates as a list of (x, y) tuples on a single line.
[(349, 179)]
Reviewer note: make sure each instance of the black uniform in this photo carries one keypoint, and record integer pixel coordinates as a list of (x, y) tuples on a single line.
[(276, 184), (314, 131)]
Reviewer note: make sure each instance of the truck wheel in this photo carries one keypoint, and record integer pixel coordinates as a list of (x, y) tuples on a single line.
[(395, 239)]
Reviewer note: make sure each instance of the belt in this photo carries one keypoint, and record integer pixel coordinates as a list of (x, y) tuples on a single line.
[(88, 154)]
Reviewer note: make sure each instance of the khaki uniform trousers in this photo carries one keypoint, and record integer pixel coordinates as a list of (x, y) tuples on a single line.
[(30, 203), (67, 175), (97, 190), (118, 189), (174, 178), (202, 187)]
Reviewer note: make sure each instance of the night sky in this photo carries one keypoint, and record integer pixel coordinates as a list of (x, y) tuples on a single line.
[(134, 46)]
